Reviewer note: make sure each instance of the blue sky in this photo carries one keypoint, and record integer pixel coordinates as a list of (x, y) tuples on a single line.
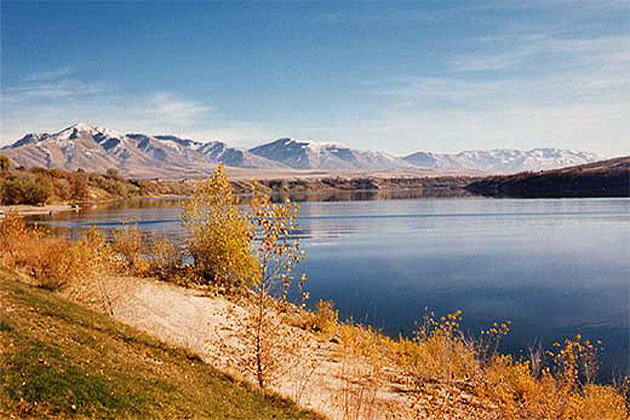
[(441, 75)]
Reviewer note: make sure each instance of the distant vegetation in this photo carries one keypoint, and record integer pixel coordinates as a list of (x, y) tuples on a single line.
[(252, 255), (37, 186)]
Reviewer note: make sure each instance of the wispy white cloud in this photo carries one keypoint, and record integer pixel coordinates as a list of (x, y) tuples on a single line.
[(50, 90), (48, 75), (46, 104), (543, 91), (556, 84), (178, 111), (513, 52)]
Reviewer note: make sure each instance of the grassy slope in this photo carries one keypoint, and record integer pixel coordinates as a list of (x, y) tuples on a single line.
[(60, 360)]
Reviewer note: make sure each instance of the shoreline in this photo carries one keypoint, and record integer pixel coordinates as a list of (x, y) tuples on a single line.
[(30, 210)]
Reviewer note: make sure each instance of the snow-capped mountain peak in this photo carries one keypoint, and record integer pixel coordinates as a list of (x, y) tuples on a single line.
[(308, 154), (98, 148), (501, 160), (78, 129)]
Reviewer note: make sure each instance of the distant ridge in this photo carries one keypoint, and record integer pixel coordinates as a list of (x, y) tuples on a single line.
[(502, 160), (607, 178), (140, 155)]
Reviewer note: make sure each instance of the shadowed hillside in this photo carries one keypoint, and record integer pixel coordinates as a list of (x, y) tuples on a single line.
[(608, 178)]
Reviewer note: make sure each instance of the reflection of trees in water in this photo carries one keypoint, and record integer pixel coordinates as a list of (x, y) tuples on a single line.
[(366, 195), (136, 203)]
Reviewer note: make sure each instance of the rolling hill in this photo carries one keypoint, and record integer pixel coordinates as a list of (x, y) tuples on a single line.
[(608, 178)]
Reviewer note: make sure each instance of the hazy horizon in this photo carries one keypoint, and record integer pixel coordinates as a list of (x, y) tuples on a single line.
[(395, 77)]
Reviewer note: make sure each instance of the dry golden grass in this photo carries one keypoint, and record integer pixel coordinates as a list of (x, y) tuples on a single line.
[(564, 389), (129, 245), (324, 320), (364, 361)]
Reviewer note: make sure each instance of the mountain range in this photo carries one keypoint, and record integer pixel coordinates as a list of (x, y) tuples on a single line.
[(146, 156)]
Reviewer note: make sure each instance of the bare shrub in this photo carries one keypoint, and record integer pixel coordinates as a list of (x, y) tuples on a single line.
[(164, 258), (128, 244)]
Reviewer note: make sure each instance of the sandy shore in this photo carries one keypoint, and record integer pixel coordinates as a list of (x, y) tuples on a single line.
[(26, 210), (316, 371)]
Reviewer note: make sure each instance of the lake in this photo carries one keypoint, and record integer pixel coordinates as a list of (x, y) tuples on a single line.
[(553, 267)]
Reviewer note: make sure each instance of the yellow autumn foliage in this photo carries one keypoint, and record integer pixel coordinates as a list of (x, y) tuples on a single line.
[(219, 237)]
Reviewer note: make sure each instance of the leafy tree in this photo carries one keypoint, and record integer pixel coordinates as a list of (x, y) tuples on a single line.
[(80, 185), (234, 251), (219, 235), (113, 173), (5, 163), (27, 189), (278, 252), (277, 249)]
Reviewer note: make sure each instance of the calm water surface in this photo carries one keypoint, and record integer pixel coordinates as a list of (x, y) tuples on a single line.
[(552, 267)]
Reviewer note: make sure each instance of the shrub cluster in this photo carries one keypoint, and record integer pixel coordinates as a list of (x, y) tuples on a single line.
[(36, 186), (324, 320), (54, 262), (26, 188)]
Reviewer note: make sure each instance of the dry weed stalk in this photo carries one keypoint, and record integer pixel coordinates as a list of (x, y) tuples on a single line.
[(363, 371)]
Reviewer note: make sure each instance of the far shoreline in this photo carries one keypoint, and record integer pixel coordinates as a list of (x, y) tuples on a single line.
[(32, 210)]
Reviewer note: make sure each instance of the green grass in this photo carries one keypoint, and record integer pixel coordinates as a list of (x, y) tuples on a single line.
[(61, 360)]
